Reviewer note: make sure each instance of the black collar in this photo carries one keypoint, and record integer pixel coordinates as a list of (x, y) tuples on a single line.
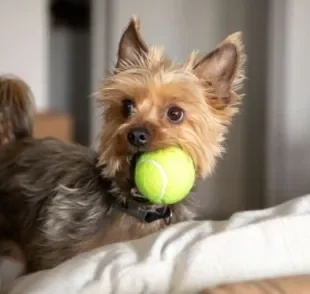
[(145, 213), (141, 211)]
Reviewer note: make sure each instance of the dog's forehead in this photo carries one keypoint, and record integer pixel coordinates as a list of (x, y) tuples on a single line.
[(173, 85), (156, 78)]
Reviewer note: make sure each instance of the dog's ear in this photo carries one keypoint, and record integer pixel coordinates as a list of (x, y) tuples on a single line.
[(131, 46), (223, 71)]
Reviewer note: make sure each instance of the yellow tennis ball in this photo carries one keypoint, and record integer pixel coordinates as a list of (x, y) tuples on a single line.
[(165, 176)]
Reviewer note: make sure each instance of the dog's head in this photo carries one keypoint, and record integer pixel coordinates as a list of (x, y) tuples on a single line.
[(149, 102)]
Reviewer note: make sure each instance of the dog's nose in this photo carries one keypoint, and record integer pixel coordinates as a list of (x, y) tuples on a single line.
[(138, 137)]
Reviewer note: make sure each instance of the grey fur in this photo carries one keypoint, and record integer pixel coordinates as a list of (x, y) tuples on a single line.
[(54, 202)]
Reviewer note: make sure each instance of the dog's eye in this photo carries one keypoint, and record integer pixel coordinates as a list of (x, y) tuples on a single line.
[(175, 114), (129, 107)]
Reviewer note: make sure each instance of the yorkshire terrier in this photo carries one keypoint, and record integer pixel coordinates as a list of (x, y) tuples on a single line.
[(58, 199)]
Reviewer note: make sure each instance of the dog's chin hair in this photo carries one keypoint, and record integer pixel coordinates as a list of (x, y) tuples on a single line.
[(117, 192)]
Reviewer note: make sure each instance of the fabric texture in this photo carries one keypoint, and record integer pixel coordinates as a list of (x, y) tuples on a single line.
[(188, 257)]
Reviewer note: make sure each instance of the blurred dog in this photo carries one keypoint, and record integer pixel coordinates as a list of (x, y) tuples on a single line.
[(58, 199)]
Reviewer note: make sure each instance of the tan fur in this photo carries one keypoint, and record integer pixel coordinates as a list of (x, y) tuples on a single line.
[(155, 82), (16, 109)]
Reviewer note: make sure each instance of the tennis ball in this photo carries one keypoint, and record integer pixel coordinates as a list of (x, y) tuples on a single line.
[(165, 176)]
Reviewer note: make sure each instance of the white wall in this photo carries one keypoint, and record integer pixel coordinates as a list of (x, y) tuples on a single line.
[(24, 44), (181, 26)]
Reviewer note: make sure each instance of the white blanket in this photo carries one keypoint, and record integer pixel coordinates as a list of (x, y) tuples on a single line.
[(188, 257)]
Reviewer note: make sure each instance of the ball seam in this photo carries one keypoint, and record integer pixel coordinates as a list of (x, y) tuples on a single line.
[(162, 173)]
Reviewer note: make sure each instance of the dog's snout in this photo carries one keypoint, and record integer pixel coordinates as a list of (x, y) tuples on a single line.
[(138, 137)]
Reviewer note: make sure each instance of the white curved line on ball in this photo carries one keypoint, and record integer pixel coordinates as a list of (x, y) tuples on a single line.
[(163, 175)]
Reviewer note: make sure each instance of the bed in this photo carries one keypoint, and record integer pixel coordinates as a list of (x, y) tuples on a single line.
[(188, 257)]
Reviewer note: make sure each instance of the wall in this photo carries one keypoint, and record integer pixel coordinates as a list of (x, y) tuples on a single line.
[(60, 72), (289, 106), (298, 99), (69, 76), (99, 60), (256, 27), (275, 136), (24, 44), (178, 24)]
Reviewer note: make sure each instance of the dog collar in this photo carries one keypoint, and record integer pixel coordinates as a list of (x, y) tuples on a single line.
[(144, 213)]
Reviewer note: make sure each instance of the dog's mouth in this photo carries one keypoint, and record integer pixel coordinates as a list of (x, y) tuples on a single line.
[(133, 162), (138, 197), (134, 192)]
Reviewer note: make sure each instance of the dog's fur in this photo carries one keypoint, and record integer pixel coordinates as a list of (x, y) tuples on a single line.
[(55, 200)]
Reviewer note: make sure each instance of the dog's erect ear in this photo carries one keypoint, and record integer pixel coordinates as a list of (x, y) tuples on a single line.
[(223, 70), (131, 46)]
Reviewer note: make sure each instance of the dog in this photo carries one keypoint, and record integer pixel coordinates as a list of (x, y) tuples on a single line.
[(58, 199)]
